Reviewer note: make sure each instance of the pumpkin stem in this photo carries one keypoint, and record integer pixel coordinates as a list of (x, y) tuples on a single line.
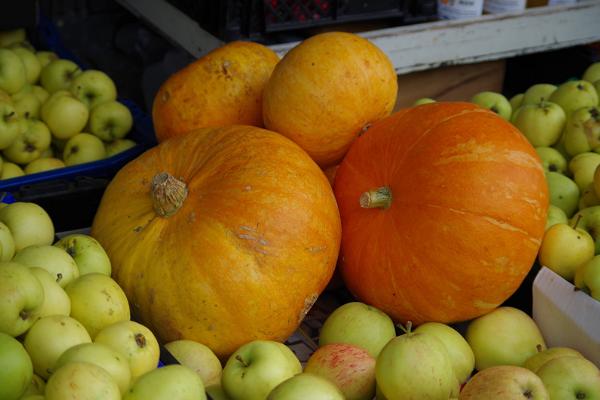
[(168, 194), (377, 198)]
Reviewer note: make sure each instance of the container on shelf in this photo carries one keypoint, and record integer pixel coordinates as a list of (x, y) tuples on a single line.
[(502, 6), (459, 9)]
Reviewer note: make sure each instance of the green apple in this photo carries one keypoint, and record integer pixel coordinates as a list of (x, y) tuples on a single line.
[(423, 100), (5, 97), (358, 324), (103, 356), (53, 259), (43, 164), (597, 87), (12, 71), (564, 192), (495, 102), (199, 358), (588, 197), (30, 144), (306, 386), (571, 377), (56, 300), (136, 342), (516, 101), (41, 93), (81, 381), (552, 159), (582, 131), (49, 337), (118, 146), (169, 382), (538, 93), (21, 296), (588, 219), (415, 366), (93, 87), (16, 370), (65, 115), (461, 354), (350, 368), (583, 166), (555, 216), (504, 336), (88, 253), (12, 36), (564, 248), (7, 244), (256, 367), (587, 277), (58, 75), (110, 120), (84, 148), (535, 362), (541, 123), (31, 63), (573, 95), (97, 301), (11, 125), (216, 392), (45, 57), (592, 72), (11, 170), (504, 382), (33, 397), (37, 386), (49, 152), (27, 105)]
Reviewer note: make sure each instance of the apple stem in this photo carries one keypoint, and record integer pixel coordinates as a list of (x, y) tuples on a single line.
[(376, 198), (241, 360), (406, 328), (140, 340), (168, 194), (578, 218), (539, 348), (24, 315)]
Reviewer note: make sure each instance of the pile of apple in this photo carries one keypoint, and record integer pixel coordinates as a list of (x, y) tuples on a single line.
[(53, 114)]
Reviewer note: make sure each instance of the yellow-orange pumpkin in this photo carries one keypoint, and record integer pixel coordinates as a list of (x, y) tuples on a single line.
[(326, 91), (443, 210), (234, 243), (224, 87)]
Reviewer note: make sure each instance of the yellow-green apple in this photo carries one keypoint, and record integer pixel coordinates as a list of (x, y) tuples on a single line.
[(49, 153), (378, 394), (33, 397), (359, 324), (538, 92), (43, 164), (415, 366), (564, 192), (41, 93), (423, 100), (573, 95), (552, 159), (31, 63), (504, 336), (118, 146), (495, 102), (256, 367), (136, 342), (587, 277), (56, 300), (171, 381), (7, 244), (216, 392), (306, 386), (11, 170), (516, 101), (88, 253), (5, 96), (103, 356), (541, 123), (49, 337), (12, 36), (97, 301), (199, 358), (11, 125), (110, 120), (535, 362), (588, 197), (12, 71), (84, 148), (82, 381), (93, 87), (592, 72), (560, 146), (58, 75), (564, 248), (582, 131), (27, 105), (30, 144), (461, 354), (350, 368), (37, 386), (21, 296), (588, 219), (597, 87), (583, 166), (45, 57), (504, 382), (555, 216), (571, 377), (16, 370), (53, 259), (65, 115)]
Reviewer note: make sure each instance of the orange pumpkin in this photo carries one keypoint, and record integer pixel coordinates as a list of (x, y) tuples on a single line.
[(224, 87), (326, 91), (222, 236), (443, 211)]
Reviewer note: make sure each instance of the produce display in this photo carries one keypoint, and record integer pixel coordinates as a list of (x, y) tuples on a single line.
[(215, 245)]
